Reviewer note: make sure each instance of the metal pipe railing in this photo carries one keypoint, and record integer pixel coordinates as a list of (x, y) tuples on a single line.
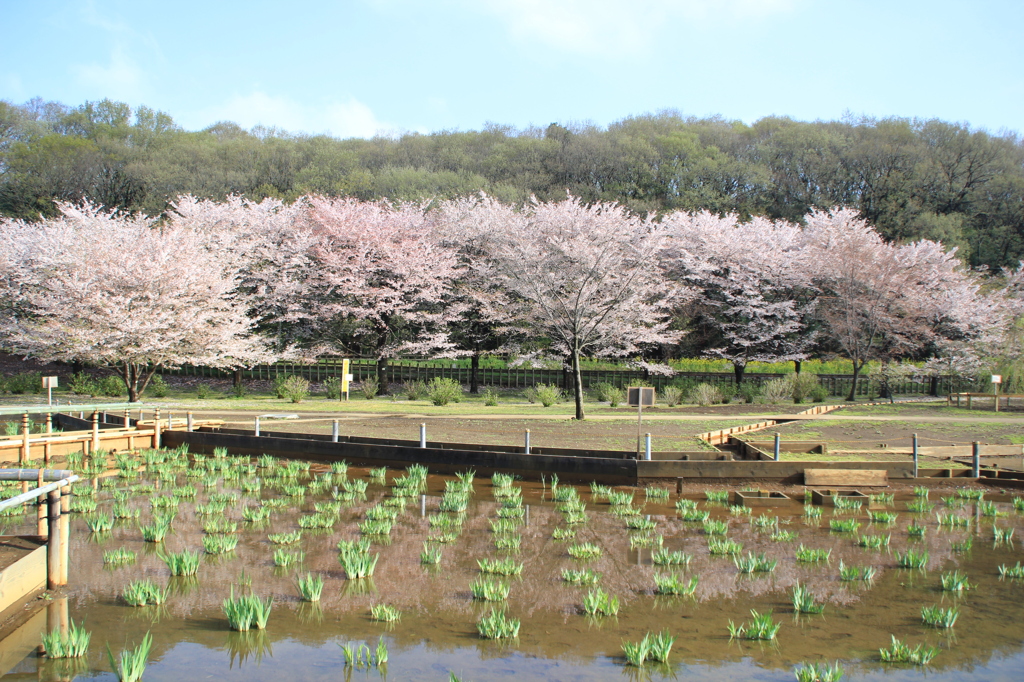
[(36, 492)]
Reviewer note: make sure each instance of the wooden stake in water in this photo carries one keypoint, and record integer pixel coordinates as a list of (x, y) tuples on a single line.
[(526, 442), (423, 435), (257, 426), (334, 431), (915, 455)]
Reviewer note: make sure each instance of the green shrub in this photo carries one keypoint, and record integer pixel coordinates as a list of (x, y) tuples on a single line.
[(415, 390), (442, 390), (673, 395), (749, 392), (705, 394), (25, 382), (81, 383), (295, 389), (158, 386), (203, 390), (819, 394), (803, 386), (490, 397), (238, 390), (548, 394), (776, 391), (369, 387), (112, 387), (728, 393), (530, 394), (332, 388), (278, 386)]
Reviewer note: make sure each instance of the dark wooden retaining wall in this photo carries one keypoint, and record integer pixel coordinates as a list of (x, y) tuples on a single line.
[(572, 468), (783, 472)]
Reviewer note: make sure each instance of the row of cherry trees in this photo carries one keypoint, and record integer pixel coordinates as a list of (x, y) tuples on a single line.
[(238, 282)]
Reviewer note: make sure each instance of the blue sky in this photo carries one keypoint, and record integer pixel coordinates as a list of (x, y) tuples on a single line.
[(362, 67)]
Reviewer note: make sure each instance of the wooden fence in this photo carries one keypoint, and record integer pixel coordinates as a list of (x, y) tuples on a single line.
[(399, 371)]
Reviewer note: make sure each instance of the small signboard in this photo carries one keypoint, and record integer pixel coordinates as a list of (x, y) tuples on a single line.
[(997, 378), (639, 396), (346, 377), (49, 382)]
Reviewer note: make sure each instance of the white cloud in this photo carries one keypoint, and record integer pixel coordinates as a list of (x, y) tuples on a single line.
[(615, 27), (120, 78), (349, 118)]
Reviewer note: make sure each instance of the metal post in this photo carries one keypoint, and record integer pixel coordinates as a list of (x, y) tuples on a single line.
[(647, 447), (334, 431), (257, 426), (188, 422), (423, 435), (776, 448), (41, 525), (53, 544), (976, 459), (526, 442), (916, 454), (423, 505), (527, 515), (127, 419)]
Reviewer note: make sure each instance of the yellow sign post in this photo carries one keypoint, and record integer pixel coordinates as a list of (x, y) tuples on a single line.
[(346, 377)]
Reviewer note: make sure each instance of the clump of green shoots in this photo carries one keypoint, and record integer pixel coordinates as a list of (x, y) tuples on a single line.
[(496, 625), (740, 510), (921, 491), (99, 523), (900, 652), (717, 496), (358, 564), (651, 647), (665, 557), (640, 523), (119, 556), (284, 558), (247, 611), (695, 516), (812, 512), (122, 510), (489, 590), (310, 586), (506, 566), (764, 521), (563, 534), (132, 662), (1002, 535), (819, 672), (970, 494), (255, 514), (962, 546), (915, 530), (755, 563), (760, 627), (73, 644), (584, 550), (953, 521), (1018, 503), (385, 613), (684, 505), (920, 506), (843, 525), (219, 544), (144, 593), (597, 602), (912, 559), (182, 563), (856, 572), (783, 536), (1015, 572), (939, 617), (843, 503), (580, 577), (716, 527), (804, 600), (882, 516), (285, 538), (430, 555), (674, 584), (954, 581), (812, 555), (874, 541), (723, 547), (157, 531)]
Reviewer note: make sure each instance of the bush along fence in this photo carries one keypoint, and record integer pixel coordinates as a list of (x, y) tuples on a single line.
[(402, 371)]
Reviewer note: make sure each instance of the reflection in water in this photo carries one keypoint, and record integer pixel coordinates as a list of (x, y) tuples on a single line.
[(242, 646), (437, 632)]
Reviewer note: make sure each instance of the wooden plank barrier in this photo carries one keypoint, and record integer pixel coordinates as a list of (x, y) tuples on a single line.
[(846, 477)]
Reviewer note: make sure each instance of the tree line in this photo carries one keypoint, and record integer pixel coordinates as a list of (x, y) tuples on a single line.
[(237, 282), (910, 179)]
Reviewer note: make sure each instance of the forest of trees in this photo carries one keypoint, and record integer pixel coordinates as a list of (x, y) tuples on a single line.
[(911, 179)]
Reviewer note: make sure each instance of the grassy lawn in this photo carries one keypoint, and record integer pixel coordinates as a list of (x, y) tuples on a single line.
[(841, 434)]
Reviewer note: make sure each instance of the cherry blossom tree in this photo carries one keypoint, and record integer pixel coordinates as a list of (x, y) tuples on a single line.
[(122, 292), (753, 286), (378, 274), (882, 300), (586, 277)]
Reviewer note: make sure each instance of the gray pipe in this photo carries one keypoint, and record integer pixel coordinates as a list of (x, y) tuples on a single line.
[(33, 474)]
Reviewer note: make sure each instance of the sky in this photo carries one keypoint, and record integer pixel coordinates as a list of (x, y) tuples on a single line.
[(359, 68)]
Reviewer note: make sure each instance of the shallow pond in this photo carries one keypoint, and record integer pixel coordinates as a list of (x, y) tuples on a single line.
[(437, 632)]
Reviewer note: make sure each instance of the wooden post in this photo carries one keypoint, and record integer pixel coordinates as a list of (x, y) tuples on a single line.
[(49, 423), (156, 429), (53, 544), (95, 432), (915, 455), (128, 419), (26, 453), (65, 533), (188, 422)]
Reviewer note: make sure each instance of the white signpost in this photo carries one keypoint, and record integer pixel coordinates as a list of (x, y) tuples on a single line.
[(639, 396), (49, 383), (996, 380)]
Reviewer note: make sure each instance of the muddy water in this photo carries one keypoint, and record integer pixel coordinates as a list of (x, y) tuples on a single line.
[(437, 633)]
